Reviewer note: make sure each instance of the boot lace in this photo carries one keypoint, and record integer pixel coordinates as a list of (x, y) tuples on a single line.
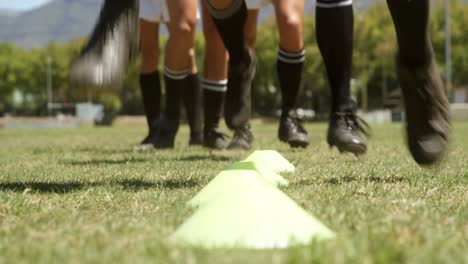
[(354, 122)]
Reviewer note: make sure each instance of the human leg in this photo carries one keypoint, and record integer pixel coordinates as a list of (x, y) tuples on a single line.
[(178, 66), (426, 104), (150, 82), (291, 57), (335, 25)]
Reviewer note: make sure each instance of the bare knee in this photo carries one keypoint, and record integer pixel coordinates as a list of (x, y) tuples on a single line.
[(183, 29), (290, 28), (149, 63), (149, 57)]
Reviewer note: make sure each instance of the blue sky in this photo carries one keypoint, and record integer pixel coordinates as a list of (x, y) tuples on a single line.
[(21, 5)]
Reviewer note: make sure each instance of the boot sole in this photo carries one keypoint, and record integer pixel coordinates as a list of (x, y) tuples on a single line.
[(214, 147), (357, 150), (143, 147), (295, 143), (238, 147)]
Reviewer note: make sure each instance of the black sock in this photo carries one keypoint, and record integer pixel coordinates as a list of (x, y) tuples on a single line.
[(150, 85), (289, 67), (175, 84), (230, 23), (192, 97), (213, 102), (411, 20), (334, 22)]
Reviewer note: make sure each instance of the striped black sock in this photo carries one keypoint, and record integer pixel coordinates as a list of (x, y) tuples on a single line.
[(192, 98), (150, 85), (175, 83), (289, 67), (214, 92), (334, 22)]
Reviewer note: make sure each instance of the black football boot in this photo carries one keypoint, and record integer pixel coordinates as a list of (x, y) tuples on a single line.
[(291, 130), (148, 142), (242, 139), (111, 46), (427, 112), (150, 86), (344, 132), (215, 138), (165, 131), (238, 104)]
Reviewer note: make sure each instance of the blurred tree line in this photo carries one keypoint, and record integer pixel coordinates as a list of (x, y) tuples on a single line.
[(23, 73)]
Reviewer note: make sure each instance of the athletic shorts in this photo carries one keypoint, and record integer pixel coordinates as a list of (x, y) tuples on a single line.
[(154, 10), (157, 10), (256, 4)]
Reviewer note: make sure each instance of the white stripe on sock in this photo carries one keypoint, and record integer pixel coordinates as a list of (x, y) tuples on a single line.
[(333, 5), (215, 82), (292, 61), (215, 85), (290, 54), (176, 75)]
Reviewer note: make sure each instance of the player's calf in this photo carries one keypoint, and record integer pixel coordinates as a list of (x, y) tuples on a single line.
[(426, 104)]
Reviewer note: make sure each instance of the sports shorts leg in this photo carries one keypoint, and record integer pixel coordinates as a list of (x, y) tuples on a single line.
[(256, 4), (154, 11)]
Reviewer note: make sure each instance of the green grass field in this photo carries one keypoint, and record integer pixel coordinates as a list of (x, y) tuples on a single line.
[(83, 195)]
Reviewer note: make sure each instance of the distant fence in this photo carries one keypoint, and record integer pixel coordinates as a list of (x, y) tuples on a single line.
[(459, 112), (377, 116)]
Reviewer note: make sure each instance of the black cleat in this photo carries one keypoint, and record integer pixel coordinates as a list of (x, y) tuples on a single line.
[(196, 139), (215, 139), (238, 103), (427, 112), (344, 132), (112, 45), (291, 130), (165, 132), (146, 143), (242, 139)]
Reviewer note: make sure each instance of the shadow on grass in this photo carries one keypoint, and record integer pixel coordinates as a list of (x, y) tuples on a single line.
[(197, 157), (104, 151), (66, 187), (189, 158), (104, 161), (204, 157), (170, 184), (45, 187), (345, 180)]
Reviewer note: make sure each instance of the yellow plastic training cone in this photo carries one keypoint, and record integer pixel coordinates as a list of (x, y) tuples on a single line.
[(260, 217), (236, 180), (263, 169), (272, 159)]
